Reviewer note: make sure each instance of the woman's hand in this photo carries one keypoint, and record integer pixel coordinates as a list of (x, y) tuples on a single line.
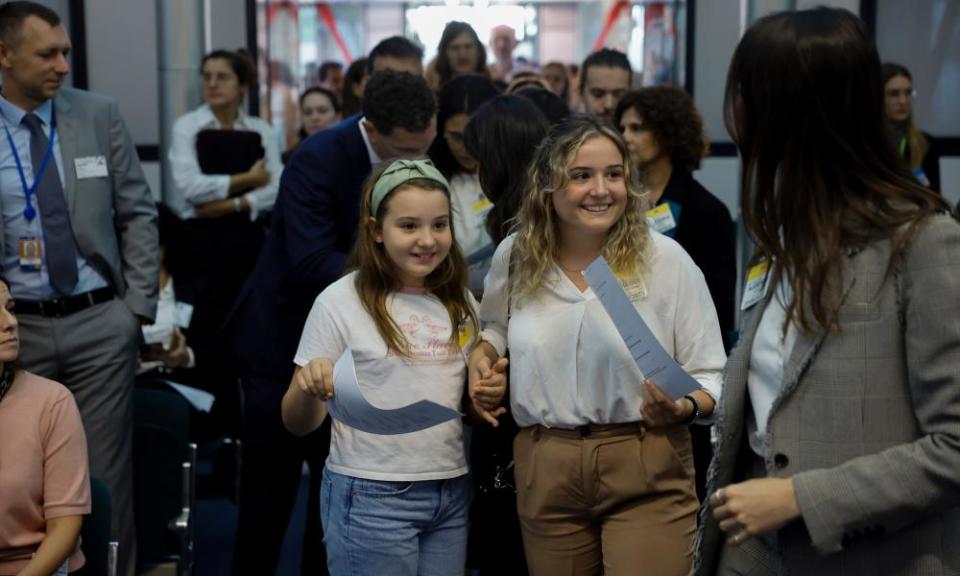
[(754, 507), (487, 382), (258, 175), (316, 378), (488, 387), (659, 410)]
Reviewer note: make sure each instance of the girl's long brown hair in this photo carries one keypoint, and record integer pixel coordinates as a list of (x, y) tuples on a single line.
[(377, 276), (804, 104)]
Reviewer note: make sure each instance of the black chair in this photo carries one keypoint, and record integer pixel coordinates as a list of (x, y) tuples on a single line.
[(164, 468), (99, 551)]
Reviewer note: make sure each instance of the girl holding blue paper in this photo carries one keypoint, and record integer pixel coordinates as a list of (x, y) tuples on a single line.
[(395, 504), (604, 468)]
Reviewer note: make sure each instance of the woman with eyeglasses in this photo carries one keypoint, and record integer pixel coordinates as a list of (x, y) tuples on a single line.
[(459, 100), (916, 148)]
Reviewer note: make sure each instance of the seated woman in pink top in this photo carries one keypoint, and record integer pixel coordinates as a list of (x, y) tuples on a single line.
[(44, 482)]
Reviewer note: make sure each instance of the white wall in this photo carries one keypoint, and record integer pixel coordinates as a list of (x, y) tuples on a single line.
[(122, 54), (227, 24), (721, 176), (122, 60), (716, 33), (950, 179)]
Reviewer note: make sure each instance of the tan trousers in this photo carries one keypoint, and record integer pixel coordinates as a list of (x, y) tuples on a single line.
[(618, 501)]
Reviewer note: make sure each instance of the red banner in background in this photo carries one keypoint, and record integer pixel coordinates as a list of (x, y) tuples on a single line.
[(615, 12), (325, 12)]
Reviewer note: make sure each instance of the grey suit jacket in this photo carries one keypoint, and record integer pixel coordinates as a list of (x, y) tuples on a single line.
[(114, 218), (867, 422)]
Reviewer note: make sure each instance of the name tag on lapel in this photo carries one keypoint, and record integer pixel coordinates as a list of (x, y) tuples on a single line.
[(661, 218), (756, 286), (90, 167)]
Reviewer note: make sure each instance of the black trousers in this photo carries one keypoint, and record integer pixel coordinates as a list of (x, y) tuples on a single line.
[(702, 453), (269, 479), (210, 264)]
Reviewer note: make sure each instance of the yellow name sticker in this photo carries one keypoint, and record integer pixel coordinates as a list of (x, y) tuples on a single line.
[(756, 286), (661, 218), (482, 205)]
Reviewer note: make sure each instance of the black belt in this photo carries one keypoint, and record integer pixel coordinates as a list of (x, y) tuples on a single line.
[(65, 306)]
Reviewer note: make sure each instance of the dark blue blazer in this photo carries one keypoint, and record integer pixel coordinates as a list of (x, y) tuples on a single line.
[(312, 232)]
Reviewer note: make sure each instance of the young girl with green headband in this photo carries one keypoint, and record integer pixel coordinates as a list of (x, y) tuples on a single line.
[(396, 504)]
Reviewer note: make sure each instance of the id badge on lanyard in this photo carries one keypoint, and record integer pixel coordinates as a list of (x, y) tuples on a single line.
[(30, 246)]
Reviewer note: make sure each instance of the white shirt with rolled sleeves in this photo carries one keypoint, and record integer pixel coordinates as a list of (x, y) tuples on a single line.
[(192, 187), (568, 364)]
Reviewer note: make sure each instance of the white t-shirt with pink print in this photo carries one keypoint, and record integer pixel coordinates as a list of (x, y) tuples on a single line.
[(434, 370)]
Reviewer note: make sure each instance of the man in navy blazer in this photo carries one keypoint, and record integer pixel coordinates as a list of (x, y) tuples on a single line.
[(312, 232)]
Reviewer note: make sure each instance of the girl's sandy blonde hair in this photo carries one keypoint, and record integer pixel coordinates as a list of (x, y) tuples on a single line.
[(537, 243)]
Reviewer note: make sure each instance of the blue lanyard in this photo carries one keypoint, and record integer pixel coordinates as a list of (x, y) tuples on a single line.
[(29, 212)]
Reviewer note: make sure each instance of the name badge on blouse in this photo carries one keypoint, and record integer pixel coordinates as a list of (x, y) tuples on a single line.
[(90, 167), (466, 335), (756, 287), (31, 254), (661, 218), (481, 206)]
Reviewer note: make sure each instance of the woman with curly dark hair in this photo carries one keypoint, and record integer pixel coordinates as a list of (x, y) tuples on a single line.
[(459, 52), (666, 140)]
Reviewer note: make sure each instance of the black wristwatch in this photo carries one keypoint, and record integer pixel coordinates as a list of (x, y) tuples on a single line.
[(697, 412)]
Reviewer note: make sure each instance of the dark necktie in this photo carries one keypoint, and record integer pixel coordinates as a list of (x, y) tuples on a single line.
[(61, 248)]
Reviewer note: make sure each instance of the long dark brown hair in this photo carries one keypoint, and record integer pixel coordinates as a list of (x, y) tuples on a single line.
[(804, 104), (377, 276), (451, 32)]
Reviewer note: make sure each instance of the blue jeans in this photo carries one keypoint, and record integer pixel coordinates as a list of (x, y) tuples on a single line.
[(386, 528)]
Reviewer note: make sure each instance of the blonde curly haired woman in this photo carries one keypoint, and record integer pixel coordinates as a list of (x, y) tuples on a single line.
[(604, 468)]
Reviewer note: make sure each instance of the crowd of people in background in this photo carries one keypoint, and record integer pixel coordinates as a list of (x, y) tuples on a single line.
[(436, 220)]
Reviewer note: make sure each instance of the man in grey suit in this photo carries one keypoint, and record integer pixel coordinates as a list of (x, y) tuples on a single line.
[(79, 242)]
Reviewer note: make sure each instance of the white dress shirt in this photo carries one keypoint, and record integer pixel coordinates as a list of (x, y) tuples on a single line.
[(568, 364), (192, 187)]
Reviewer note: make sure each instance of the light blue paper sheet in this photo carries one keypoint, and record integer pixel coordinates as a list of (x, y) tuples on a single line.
[(653, 361), (350, 407)]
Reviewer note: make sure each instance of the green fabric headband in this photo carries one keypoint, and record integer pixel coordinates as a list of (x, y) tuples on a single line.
[(400, 172)]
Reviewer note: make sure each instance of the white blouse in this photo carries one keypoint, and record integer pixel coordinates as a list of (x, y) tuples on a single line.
[(192, 187), (568, 364)]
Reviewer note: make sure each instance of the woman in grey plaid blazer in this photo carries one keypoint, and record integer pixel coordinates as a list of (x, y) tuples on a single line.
[(839, 428)]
